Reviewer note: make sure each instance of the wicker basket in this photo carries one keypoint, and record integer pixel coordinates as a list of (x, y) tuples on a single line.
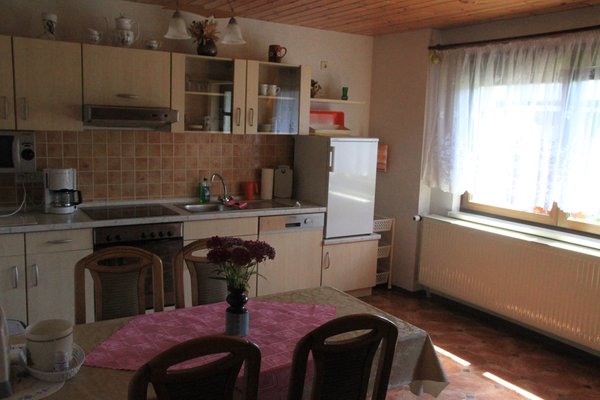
[(382, 225), (383, 251), (381, 277)]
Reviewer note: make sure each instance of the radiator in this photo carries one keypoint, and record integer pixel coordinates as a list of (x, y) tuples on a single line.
[(516, 276)]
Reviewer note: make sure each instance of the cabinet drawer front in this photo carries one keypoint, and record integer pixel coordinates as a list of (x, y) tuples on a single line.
[(12, 244), (220, 227), (55, 241)]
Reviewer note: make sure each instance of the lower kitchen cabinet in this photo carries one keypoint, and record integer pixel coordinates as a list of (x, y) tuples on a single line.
[(50, 259), (37, 271), (298, 245), (244, 228), (12, 276), (350, 266)]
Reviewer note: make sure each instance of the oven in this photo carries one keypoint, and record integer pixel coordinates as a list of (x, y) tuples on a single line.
[(163, 239)]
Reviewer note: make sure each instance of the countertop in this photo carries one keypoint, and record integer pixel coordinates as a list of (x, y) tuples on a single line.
[(38, 221)]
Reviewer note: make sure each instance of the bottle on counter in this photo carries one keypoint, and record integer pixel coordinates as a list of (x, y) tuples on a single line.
[(204, 191)]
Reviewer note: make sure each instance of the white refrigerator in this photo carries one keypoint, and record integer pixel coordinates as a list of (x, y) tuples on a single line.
[(340, 174)]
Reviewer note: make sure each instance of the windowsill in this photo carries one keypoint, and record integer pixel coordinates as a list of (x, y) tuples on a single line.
[(564, 240)]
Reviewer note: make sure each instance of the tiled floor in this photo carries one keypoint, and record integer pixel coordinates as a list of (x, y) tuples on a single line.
[(546, 369)]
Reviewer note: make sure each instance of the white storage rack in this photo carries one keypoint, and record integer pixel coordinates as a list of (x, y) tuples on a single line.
[(385, 226)]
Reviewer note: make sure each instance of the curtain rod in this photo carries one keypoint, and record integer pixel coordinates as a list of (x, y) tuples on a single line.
[(532, 36)]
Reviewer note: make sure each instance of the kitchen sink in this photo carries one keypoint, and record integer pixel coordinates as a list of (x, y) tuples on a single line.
[(251, 205), (206, 207)]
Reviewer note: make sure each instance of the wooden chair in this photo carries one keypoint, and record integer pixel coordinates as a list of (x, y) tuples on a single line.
[(214, 380), (119, 276), (343, 365), (204, 289)]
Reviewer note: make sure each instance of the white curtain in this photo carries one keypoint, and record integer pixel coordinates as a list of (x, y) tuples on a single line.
[(518, 124)]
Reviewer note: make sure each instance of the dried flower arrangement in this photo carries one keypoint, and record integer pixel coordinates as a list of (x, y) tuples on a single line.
[(203, 31)]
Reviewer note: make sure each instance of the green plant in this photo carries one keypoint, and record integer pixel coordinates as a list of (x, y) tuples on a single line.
[(236, 259)]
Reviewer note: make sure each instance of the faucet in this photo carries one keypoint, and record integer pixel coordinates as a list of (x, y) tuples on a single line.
[(225, 198)]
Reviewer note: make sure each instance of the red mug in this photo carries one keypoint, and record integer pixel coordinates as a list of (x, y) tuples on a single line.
[(250, 189), (276, 53)]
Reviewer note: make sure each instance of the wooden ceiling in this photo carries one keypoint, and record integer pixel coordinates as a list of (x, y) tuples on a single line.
[(375, 17)]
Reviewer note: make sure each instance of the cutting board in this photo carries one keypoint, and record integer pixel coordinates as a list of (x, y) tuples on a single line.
[(283, 177)]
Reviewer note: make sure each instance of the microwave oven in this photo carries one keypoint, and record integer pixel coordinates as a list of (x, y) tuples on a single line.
[(17, 151)]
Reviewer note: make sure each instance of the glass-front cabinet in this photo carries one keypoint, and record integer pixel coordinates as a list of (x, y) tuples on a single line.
[(239, 96), (209, 93), (277, 97)]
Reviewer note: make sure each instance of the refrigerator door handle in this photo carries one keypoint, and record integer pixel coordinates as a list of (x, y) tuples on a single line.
[(332, 159)]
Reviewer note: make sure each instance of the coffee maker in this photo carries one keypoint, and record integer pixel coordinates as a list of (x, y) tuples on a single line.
[(60, 191)]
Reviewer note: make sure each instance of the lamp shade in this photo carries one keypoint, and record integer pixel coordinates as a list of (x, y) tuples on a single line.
[(177, 28), (233, 33)]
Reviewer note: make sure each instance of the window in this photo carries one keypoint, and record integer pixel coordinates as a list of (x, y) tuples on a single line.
[(517, 126)]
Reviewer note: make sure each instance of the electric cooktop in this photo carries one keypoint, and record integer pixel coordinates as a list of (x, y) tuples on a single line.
[(130, 211)]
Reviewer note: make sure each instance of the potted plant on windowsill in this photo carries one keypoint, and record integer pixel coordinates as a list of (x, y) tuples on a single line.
[(236, 262), (206, 35)]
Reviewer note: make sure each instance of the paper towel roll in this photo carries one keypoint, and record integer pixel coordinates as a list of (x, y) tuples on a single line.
[(266, 184)]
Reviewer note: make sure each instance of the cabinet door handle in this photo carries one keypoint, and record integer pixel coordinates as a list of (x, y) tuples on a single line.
[(4, 107), (129, 96), (36, 275), (238, 116), (327, 261), (15, 282), (59, 241), (25, 109), (251, 117), (332, 159)]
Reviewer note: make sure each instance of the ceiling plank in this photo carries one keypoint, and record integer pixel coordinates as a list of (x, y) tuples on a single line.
[(374, 17)]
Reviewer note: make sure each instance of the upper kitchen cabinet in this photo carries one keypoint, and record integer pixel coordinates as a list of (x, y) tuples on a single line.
[(209, 93), (240, 96), (47, 81), (115, 76), (277, 98), (7, 101)]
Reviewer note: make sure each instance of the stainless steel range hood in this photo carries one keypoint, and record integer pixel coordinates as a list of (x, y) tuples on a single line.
[(128, 117)]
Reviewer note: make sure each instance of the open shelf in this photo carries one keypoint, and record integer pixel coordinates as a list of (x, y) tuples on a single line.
[(335, 101)]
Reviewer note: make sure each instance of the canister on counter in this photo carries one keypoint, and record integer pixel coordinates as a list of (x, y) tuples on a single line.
[(266, 184), (282, 182)]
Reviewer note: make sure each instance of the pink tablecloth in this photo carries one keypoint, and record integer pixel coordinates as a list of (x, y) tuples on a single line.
[(275, 327)]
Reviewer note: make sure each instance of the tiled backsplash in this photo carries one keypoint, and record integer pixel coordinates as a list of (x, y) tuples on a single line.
[(137, 165)]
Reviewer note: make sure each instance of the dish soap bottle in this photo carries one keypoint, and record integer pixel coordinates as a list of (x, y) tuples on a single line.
[(204, 191)]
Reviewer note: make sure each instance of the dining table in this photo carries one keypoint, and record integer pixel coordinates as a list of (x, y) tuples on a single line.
[(115, 348)]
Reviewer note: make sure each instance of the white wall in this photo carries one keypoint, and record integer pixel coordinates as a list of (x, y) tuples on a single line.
[(397, 117), (348, 56)]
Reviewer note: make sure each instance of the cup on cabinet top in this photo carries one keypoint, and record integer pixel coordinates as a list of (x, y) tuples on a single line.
[(153, 44), (273, 90), (263, 89)]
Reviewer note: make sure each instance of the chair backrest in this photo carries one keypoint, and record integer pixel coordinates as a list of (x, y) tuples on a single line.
[(119, 277), (343, 364), (212, 380), (204, 289)]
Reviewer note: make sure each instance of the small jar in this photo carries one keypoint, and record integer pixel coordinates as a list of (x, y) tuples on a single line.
[(50, 21)]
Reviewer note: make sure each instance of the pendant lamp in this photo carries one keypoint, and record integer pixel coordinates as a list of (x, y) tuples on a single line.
[(233, 33), (177, 26)]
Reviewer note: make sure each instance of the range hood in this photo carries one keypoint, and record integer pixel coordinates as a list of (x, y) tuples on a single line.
[(128, 117)]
